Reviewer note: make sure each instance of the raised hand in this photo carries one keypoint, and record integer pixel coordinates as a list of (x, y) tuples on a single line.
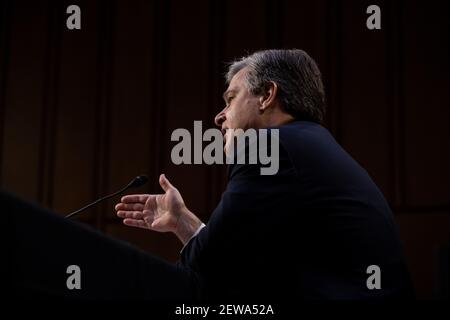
[(159, 212)]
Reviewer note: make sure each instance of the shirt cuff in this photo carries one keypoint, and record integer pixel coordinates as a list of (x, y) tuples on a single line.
[(193, 236)]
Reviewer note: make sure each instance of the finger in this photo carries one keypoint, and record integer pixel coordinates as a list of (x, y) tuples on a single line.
[(130, 214), (129, 206), (134, 198), (164, 183), (135, 223)]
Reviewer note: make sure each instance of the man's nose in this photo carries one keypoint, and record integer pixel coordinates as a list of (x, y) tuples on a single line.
[(220, 118)]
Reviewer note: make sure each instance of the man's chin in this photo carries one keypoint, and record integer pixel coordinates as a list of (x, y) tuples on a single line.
[(225, 140), (226, 149)]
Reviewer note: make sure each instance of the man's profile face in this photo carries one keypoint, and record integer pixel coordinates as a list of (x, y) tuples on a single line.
[(241, 108)]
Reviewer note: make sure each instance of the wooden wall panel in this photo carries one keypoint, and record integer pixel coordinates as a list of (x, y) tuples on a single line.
[(5, 36), (303, 26), (187, 98), (245, 28), (427, 104), (73, 129), (131, 102), (308, 25), (216, 87), (24, 99), (364, 110), (423, 235)]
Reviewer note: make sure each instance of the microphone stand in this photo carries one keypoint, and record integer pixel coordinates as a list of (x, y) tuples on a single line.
[(136, 182)]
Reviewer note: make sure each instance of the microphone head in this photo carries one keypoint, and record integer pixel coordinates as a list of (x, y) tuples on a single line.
[(138, 181)]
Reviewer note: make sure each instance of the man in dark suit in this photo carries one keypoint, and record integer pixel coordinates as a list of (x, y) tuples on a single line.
[(314, 230)]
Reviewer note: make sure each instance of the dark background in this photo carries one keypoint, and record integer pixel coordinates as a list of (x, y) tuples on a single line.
[(84, 111)]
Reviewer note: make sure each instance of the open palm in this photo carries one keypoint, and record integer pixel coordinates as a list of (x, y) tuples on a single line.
[(159, 212)]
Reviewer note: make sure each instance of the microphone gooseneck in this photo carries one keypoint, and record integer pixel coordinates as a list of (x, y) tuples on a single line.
[(136, 182)]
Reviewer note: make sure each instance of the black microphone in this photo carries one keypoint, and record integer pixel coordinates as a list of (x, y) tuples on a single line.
[(136, 182)]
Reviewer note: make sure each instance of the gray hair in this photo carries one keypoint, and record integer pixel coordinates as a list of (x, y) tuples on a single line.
[(300, 88)]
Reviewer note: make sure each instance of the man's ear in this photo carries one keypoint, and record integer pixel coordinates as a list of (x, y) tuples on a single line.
[(267, 98)]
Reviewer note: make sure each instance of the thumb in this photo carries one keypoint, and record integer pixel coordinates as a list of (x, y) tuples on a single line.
[(164, 183)]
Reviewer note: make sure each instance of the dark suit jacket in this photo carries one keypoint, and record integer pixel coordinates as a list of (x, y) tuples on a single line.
[(309, 232)]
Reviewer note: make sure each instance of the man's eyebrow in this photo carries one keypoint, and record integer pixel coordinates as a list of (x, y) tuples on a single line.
[(226, 93)]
